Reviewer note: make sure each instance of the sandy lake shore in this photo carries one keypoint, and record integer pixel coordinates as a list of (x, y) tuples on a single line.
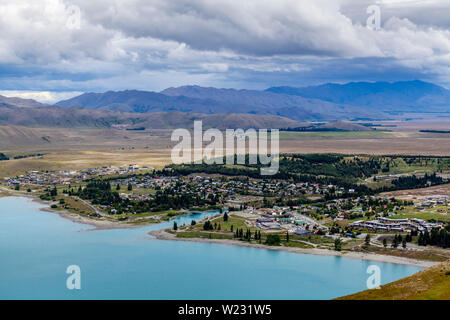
[(164, 235), (97, 223)]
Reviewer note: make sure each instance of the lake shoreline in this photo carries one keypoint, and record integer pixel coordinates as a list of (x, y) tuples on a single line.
[(99, 224), (50, 239), (76, 218), (164, 235)]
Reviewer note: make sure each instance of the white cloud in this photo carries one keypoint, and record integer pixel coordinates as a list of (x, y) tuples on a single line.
[(215, 67), (40, 96), (203, 39)]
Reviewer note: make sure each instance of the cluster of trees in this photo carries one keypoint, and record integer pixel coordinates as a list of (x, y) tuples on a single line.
[(399, 240), (312, 129), (440, 238), (247, 235), (332, 165), (100, 193), (325, 169), (49, 194), (28, 155), (411, 182), (306, 168), (187, 169), (3, 157), (335, 229), (208, 225), (53, 192)]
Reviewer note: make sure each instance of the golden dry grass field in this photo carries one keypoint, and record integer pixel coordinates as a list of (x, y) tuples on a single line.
[(430, 284), (397, 137), (81, 149), (86, 148)]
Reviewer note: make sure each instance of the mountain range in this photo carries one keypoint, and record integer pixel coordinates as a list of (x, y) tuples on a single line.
[(395, 97), (275, 107), (355, 100), (213, 101)]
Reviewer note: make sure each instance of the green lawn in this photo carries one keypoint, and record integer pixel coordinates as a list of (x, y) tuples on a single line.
[(235, 221), (426, 214)]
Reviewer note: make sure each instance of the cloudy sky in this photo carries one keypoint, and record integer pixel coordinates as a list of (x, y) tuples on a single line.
[(54, 49)]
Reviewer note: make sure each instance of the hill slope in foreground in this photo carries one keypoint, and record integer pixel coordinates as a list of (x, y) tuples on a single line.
[(430, 284), (59, 117)]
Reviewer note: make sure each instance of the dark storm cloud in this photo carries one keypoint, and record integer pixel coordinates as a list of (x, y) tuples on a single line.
[(83, 45)]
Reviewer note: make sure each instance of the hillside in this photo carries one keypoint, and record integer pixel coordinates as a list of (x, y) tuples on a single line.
[(413, 96), (175, 119), (142, 102), (19, 102), (18, 135), (59, 117), (85, 118), (430, 284)]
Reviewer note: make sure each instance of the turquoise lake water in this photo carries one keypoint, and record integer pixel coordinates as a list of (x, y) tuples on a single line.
[(36, 247)]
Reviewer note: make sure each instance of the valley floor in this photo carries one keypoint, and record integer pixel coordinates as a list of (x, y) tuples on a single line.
[(87, 148)]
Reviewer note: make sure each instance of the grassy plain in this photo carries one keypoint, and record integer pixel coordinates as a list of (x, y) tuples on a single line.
[(401, 137), (85, 148)]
